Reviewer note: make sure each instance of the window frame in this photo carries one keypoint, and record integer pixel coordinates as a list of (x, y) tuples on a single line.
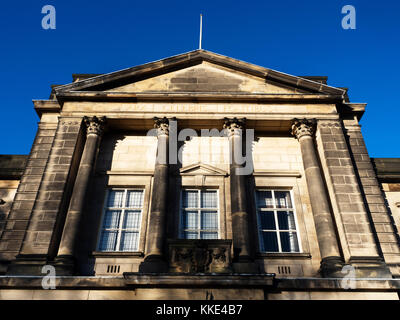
[(119, 230), (277, 230), (181, 230)]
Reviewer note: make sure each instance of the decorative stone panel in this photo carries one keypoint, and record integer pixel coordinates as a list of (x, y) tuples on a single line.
[(200, 256)]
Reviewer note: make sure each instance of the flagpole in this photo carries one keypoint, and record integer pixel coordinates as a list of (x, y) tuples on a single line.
[(201, 29)]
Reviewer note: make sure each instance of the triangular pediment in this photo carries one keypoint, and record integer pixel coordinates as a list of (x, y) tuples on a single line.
[(205, 77), (198, 71), (200, 169)]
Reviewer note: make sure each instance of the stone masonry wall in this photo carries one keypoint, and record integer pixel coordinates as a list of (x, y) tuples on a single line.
[(380, 216), (46, 220), (348, 200), (17, 222)]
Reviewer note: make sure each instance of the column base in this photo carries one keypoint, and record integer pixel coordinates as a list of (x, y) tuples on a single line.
[(65, 265), (370, 267), (28, 264), (244, 264), (153, 264), (331, 267)]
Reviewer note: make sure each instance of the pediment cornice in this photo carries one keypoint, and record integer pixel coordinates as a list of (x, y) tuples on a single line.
[(98, 83)]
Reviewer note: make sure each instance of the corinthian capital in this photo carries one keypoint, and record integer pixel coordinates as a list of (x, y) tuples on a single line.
[(94, 125), (234, 126), (162, 126), (303, 127)]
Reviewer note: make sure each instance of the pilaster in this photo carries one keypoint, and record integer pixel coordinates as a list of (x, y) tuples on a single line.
[(379, 216), (347, 199), (22, 208)]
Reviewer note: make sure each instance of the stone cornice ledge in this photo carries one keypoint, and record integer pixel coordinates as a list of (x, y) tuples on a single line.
[(127, 173), (198, 279), (193, 96), (334, 284), (277, 173), (42, 106), (136, 280)]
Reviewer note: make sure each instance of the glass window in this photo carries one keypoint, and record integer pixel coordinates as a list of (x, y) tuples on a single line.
[(199, 216), (276, 221), (122, 219)]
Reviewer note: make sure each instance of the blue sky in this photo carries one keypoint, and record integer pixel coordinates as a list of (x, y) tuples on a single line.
[(296, 37)]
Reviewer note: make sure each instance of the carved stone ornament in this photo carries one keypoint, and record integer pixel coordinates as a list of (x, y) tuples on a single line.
[(303, 127), (234, 126), (95, 125), (200, 256)]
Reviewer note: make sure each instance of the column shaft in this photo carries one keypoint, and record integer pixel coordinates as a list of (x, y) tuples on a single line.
[(159, 200), (331, 258), (240, 219), (156, 237), (78, 198)]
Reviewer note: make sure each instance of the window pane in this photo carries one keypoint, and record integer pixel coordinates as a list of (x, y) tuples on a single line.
[(191, 235), (115, 198), (108, 241), (129, 241), (286, 220), (264, 199), (209, 199), (190, 199), (270, 241), (289, 242), (190, 220), (131, 219), (267, 220), (111, 219), (209, 235), (282, 199), (134, 199), (209, 220)]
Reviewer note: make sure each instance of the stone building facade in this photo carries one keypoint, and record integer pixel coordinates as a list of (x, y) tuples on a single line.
[(199, 176)]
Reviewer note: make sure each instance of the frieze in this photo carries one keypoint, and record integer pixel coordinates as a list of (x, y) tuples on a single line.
[(70, 123)]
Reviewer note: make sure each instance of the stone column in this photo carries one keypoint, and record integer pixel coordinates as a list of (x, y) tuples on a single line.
[(156, 238), (75, 212), (332, 261), (243, 260)]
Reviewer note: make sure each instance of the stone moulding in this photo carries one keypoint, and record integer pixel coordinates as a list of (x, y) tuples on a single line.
[(199, 280), (131, 281)]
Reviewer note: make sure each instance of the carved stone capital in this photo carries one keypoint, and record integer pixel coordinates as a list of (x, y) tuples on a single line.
[(95, 125), (234, 126), (303, 127), (162, 126)]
